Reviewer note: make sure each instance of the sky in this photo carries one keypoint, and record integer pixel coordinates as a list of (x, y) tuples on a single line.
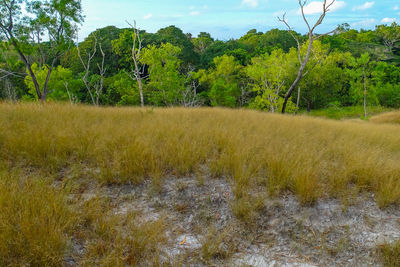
[(226, 19)]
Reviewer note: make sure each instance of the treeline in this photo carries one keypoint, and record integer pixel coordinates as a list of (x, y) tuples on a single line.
[(347, 68)]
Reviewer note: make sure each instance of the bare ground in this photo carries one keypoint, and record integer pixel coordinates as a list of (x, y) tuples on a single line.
[(199, 216)]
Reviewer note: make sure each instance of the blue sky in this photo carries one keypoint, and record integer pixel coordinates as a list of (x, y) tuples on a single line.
[(226, 19)]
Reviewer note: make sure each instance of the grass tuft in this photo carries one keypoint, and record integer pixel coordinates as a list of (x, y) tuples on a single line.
[(390, 254)]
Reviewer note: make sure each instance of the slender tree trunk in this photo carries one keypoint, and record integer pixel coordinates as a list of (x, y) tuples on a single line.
[(46, 84), (69, 95), (309, 106), (365, 95), (29, 68), (311, 38), (299, 74), (139, 80), (298, 100)]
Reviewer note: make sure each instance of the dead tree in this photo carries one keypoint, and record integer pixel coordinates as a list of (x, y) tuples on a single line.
[(136, 49), (311, 38), (95, 90), (190, 97)]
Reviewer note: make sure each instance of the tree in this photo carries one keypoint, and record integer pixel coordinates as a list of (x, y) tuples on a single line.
[(324, 83), (202, 41), (386, 79), (225, 82), (166, 84), (220, 48), (311, 38), (61, 85), (123, 90), (361, 89), (390, 35), (136, 50), (12, 74), (104, 37), (176, 37), (260, 43), (54, 19), (94, 83), (269, 74)]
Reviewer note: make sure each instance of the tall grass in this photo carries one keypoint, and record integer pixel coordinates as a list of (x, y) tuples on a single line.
[(34, 220), (309, 157), (390, 117)]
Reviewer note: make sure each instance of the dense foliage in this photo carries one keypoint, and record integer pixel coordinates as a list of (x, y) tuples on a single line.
[(347, 68)]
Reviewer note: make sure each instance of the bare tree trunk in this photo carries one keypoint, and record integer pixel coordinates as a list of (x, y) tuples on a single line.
[(298, 100), (365, 95), (102, 71), (311, 39), (86, 66), (66, 88), (299, 74), (139, 80), (136, 57)]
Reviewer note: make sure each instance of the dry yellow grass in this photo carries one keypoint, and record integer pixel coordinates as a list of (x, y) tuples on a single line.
[(309, 157), (261, 154), (390, 117), (34, 219)]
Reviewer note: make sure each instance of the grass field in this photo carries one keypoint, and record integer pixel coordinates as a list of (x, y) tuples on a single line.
[(45, 150)]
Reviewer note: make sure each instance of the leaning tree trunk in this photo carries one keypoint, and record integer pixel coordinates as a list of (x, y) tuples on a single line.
[(311, 39), (299, 74)]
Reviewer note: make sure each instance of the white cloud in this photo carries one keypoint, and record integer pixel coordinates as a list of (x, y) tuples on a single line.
[(388, 20), (194, 13), (396, 8), (366, 5), (317, 7), (250, 3), (148, 16)]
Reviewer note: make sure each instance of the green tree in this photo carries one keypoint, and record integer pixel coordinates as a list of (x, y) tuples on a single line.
[(176, 37), (269, 76), (166, 84), (303, 60), (225, 82), (386, 79), (12, 73), (122, 90), (104, 37), (260, 43), (390, 35), (220, 48), (362, 90), (202, 41), (56, 19), (61, 85)]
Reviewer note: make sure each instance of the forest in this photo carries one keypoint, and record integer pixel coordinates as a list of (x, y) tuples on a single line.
[(41, 59)]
